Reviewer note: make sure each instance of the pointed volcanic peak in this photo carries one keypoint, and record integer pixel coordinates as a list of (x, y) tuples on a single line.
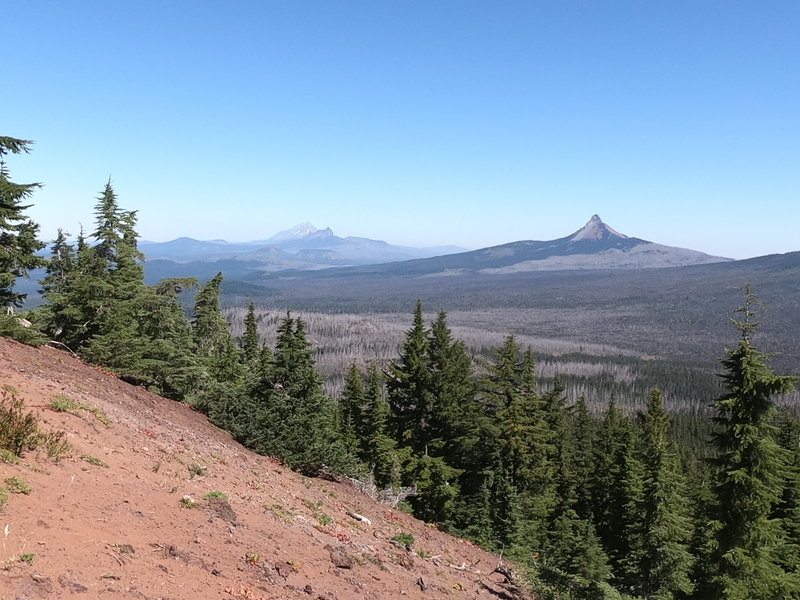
[(595, 246), (596, 229)]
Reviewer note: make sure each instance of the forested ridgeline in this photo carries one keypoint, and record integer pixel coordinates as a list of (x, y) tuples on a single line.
[(624, 504)]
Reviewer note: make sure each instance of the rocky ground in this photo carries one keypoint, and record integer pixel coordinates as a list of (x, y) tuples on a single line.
[(153, 502)]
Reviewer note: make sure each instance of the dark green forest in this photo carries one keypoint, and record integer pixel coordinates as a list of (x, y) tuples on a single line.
[(624, 504)]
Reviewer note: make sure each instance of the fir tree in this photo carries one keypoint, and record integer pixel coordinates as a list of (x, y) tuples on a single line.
[(569, 547), (212, 336), (583, 432), (288, 415), (514, 407), (378, 448), (451, 390), (409, 388), (351, 406), (18, 243), (250, 341), (505, 511), (663, 572), (788, 510), (749, 466), (50, 318), (618, 494), (59, 266)]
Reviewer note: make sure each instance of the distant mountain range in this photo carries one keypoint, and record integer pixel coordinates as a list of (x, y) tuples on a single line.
[(304, 249), (301, 247), (594, 246)]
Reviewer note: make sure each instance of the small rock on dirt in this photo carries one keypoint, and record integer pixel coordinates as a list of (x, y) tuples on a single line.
[(341, 558)]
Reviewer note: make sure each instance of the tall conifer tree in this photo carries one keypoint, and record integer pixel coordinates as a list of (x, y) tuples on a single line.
[(251, 341), (18, 243), (663, 572), (409, 387), (749, 467)]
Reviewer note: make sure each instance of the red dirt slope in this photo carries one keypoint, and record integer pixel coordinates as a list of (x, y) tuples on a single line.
[(120, 531)]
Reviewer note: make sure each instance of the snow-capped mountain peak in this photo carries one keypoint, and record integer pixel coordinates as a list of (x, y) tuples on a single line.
[(595, 229), (298, 231)]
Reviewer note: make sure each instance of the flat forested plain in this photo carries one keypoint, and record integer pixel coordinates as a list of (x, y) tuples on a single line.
[(607, 332)]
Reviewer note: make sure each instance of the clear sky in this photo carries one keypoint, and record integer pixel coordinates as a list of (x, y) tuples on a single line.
[(418, 122)]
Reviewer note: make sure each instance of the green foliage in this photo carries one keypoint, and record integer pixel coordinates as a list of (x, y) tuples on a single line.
[(665, 526), (250, 341), (409, 388), (63, 403), (352, 404), (404, 539), (18, 430), (8, 457), (98, 305), (3, 497), (17, 232), (748, 465), (283, 412), (214, 343), (378, 449), (196, 470), (788, 510), (216, 495), (17, 485), (92, 460)]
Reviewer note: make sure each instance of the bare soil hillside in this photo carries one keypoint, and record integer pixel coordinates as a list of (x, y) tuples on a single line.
[(125, 513)]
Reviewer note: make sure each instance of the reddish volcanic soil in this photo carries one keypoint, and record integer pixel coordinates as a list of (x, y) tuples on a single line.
[(120, 531)]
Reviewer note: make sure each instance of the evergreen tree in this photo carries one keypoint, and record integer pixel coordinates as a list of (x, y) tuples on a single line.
[(505, 511), (288, 415), (451, 391), (618, 494), (437, 488), (788, 510), (409, 388), (59, 266), (378, 448), (50, 317), (607, 477), (569, 546), (583, 432), (211, 334), (18, 243), (514, 409), (663, 572), (102, 277), (749, 467), (351, 406), (250, 341)]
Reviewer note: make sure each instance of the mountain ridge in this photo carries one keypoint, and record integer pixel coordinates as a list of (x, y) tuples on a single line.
[(594, 246), (290, 246)]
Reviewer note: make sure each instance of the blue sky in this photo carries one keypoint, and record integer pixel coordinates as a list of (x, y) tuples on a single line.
[(421, 123)]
